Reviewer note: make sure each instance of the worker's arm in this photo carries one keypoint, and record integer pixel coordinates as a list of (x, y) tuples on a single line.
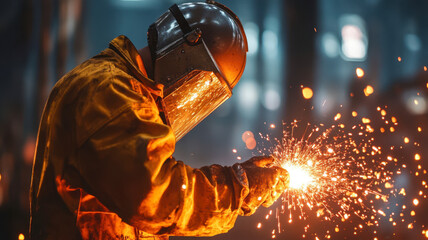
[(127, 165)]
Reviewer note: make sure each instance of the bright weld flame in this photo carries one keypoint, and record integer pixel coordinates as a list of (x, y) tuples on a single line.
[(300, 177)]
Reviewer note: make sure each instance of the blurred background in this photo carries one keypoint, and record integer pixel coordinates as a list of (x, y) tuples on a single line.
[(307, 60)]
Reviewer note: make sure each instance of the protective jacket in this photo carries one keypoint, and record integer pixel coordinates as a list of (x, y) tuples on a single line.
[(103, 167)]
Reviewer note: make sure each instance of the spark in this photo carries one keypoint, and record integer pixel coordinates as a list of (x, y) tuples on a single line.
[(341, 175), (415, 202), (417, 157), (368, 90), (359, 72), (307, 93), (337, 117), (300, 177), (326, 174)]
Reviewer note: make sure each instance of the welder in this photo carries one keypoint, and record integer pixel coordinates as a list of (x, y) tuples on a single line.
[(103, 166)]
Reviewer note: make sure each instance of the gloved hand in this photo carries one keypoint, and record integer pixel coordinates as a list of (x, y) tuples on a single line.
[(266, 183)]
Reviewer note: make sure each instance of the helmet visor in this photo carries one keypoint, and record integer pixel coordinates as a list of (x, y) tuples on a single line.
[(199, 94)]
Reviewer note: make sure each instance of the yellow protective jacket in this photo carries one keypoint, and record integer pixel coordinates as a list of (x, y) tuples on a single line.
[(103, 167)]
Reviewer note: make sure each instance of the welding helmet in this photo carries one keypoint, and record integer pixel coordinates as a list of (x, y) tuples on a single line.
[(198, 52)]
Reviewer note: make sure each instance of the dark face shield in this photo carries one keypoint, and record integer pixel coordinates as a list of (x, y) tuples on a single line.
[(193, 101), (193, 85)]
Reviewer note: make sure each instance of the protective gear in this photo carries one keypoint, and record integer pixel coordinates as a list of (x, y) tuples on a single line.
[(206, 45), (103, 167), (266, 183)]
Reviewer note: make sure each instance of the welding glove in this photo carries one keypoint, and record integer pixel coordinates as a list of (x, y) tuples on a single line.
[(266, 183)]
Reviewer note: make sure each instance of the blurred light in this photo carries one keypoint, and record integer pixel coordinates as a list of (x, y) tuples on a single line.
[(399, 59), (412, 42), (234, 150), (354, 39), (248, 95), (272, 125), (307, 93), (359, 72), (251, 143), (425, 69), (272, 100), (415, 104), (247, 135), (417, 157), (352, 46), (183, 186), (252, 32), (337, 117), (354, 113), (415, 202), (248, 138), (368, 90), (21, 236), (365, 120), (270, 43), (330, 45)]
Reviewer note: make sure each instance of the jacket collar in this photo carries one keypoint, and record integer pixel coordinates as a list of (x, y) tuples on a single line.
[(124, 47)]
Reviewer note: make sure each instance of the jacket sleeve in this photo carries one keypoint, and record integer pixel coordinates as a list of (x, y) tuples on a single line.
[(127, 164)]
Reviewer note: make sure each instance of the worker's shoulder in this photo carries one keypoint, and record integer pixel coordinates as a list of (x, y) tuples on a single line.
[(103, 69)]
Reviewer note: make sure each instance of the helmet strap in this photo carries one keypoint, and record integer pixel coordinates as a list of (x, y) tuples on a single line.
[(182, 22)]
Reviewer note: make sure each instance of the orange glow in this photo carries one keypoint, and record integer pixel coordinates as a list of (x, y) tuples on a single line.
[(415, 202), (425, 68), (307, 93), (21, 236), (406, 140), (399, 59), (383, 112), (272, 125), (251, 143), (365, 120), (417, 157), (368, 90), (259, 225), (354, 113), (359, 72), (337, 117), (393, 119), (392, 129), (247, 135), (248, 138), (234, 150), (412, 213)]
